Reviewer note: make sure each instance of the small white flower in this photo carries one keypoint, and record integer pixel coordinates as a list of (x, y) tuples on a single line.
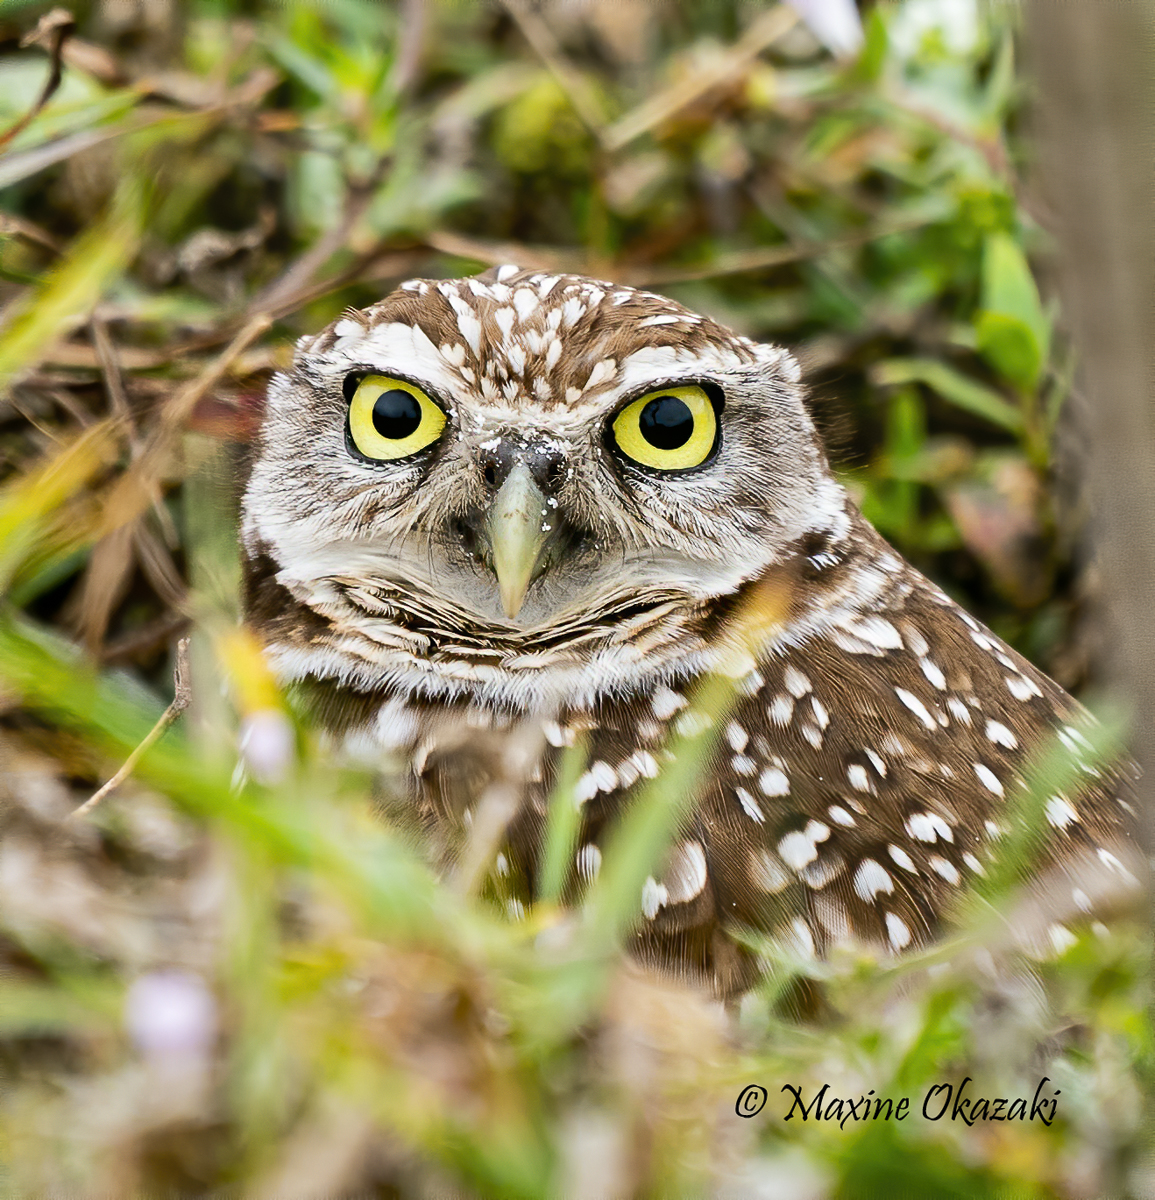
[(835, 23), (170, 1013), (267, 745)]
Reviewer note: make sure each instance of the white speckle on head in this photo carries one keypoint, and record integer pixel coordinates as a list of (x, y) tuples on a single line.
[(666, 702), (820, 713), (988, 779), (781, 709), (998, 733), (928, 827), (973, 863), (1060, 812), (797, 684), (897, 930), (915, 642), (813, 735), (840, 816), (504, 318), (470, 328), (737, 737), (903, 859), (871, 878), (774, 782), (959, 710), (589, 862), (515, 909), (933, 673), (502, 865), (685, 877), (601, 373), (654, 895), (878, 763), (749, 805), (1020, 687), (1081, 899), (940, 866), (525, 302), (661, 320), (767, 872), (507, 271), (917, 707), (859, 779)]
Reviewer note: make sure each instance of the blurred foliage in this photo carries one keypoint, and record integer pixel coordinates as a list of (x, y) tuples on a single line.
[(223, 979)]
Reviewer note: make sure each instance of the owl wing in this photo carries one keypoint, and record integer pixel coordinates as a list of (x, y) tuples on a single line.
[(861, 781)]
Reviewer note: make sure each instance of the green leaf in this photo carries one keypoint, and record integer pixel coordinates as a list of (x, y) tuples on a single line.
[(1010, 346), (1012, 330), (952, 386)]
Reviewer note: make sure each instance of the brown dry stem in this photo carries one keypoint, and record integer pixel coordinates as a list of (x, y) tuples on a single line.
[(182, 695)]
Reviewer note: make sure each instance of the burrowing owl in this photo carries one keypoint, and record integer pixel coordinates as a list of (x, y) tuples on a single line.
[(531, 502)]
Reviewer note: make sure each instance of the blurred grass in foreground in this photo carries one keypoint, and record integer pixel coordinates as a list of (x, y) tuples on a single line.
[(252, 981)]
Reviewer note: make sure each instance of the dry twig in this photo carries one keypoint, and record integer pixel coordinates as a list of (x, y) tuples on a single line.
[(545, 45), (763, 32), (182, 695), (53, 30)]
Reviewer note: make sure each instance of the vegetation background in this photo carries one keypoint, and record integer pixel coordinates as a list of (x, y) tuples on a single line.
[(217, 980)]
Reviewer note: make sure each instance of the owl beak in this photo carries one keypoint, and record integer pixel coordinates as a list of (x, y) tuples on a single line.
[(518, 528)]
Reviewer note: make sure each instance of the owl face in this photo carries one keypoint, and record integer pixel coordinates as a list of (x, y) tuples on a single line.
[(521, 468)]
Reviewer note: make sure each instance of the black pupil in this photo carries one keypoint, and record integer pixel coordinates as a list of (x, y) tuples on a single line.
[(666, 423), (396, 414)]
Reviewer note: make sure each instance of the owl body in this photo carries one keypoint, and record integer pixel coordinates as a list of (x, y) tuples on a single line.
[(493, 517)]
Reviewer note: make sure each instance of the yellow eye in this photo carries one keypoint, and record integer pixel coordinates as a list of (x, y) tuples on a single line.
[(390, 418), (672, 429)]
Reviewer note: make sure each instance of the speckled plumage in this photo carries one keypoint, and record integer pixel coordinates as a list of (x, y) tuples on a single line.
[(858, 782)]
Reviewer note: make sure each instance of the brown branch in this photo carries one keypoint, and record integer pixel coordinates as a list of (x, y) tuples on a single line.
[(764, 30), (759, 260), (182, 695), (545, 45), (53, 28)]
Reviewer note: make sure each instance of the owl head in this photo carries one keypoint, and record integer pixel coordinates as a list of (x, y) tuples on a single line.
[(520, 477)]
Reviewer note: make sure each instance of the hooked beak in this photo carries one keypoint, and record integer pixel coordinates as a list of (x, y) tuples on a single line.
[(518, 529)]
